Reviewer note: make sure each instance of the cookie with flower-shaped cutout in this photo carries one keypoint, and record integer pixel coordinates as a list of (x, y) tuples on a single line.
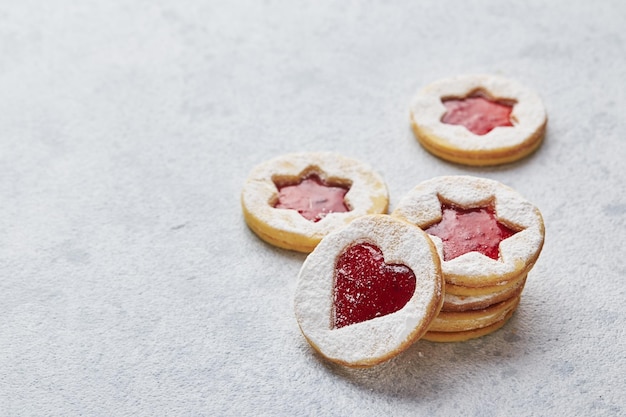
[(486, 233), (294, 200), (478, 119), (368, 291)]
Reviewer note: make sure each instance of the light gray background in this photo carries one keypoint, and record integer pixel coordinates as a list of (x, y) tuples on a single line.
[(130, 284)]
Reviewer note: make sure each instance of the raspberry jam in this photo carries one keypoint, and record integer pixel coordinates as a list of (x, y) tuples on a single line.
[(366, 287), (470, 230), (477, 113), (312, 198)]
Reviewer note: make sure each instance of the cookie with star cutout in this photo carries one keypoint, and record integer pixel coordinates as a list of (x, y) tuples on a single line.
[(488, 238), (478, 119), (368, 291), (294, 200), (486, 233)]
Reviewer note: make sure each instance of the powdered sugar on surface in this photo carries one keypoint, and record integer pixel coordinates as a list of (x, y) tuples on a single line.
[(131, 285), (422, 207), (377, 339), (528, 113)]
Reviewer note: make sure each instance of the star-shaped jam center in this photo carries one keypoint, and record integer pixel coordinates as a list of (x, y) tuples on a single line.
[(477, 113), (469, 230), (312, 197)]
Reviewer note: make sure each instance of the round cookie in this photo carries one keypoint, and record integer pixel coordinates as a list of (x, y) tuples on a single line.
[(450, 117), (463, 291), (458, 321), (368, 291), (329, 178), (479, 208), (453, 302), (467, 334)]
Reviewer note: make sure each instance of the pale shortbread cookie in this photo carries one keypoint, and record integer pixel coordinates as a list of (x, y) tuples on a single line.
[(287, 228), (453, 302), (460, 290), (518, 253), (456, 143), (460, 321), (467, 334), (373, 341)]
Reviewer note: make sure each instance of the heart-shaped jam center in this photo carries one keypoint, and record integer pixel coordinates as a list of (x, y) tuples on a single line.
[(477, 113), (312, 198), (470, 230), (366, 287)]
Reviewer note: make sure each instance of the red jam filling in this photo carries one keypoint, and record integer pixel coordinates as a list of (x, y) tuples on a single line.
[(312, 198), (470, 230), (366, 287), (477, 113)]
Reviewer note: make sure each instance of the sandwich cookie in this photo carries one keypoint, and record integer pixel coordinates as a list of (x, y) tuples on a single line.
[(368, 291), (478, 119), (294, 200)]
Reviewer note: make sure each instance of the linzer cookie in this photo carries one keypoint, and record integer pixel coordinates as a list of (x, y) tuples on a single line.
[(486, 233), (294, 200), (453, 302), (478, 119), (464, 335), (488, 238), (368, 291), (457, 321)]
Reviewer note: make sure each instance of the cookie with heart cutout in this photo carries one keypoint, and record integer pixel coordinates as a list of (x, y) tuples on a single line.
[(486, 233), (478, 119), (368, 291), (294, 200)]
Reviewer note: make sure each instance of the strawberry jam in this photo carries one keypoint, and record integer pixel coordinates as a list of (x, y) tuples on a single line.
[(470, 230), (366, 287), (477, 113), (312, 198)]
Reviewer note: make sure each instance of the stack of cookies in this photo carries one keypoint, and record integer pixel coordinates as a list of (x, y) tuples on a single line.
[(488, 237), (449, 264)]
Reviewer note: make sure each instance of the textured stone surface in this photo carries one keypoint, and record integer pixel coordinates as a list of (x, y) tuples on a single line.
[(131, 285)]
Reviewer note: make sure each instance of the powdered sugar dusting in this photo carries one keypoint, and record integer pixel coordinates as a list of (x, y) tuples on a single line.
[(528, 114), (367, 194), (371, 341), (422, 207)]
